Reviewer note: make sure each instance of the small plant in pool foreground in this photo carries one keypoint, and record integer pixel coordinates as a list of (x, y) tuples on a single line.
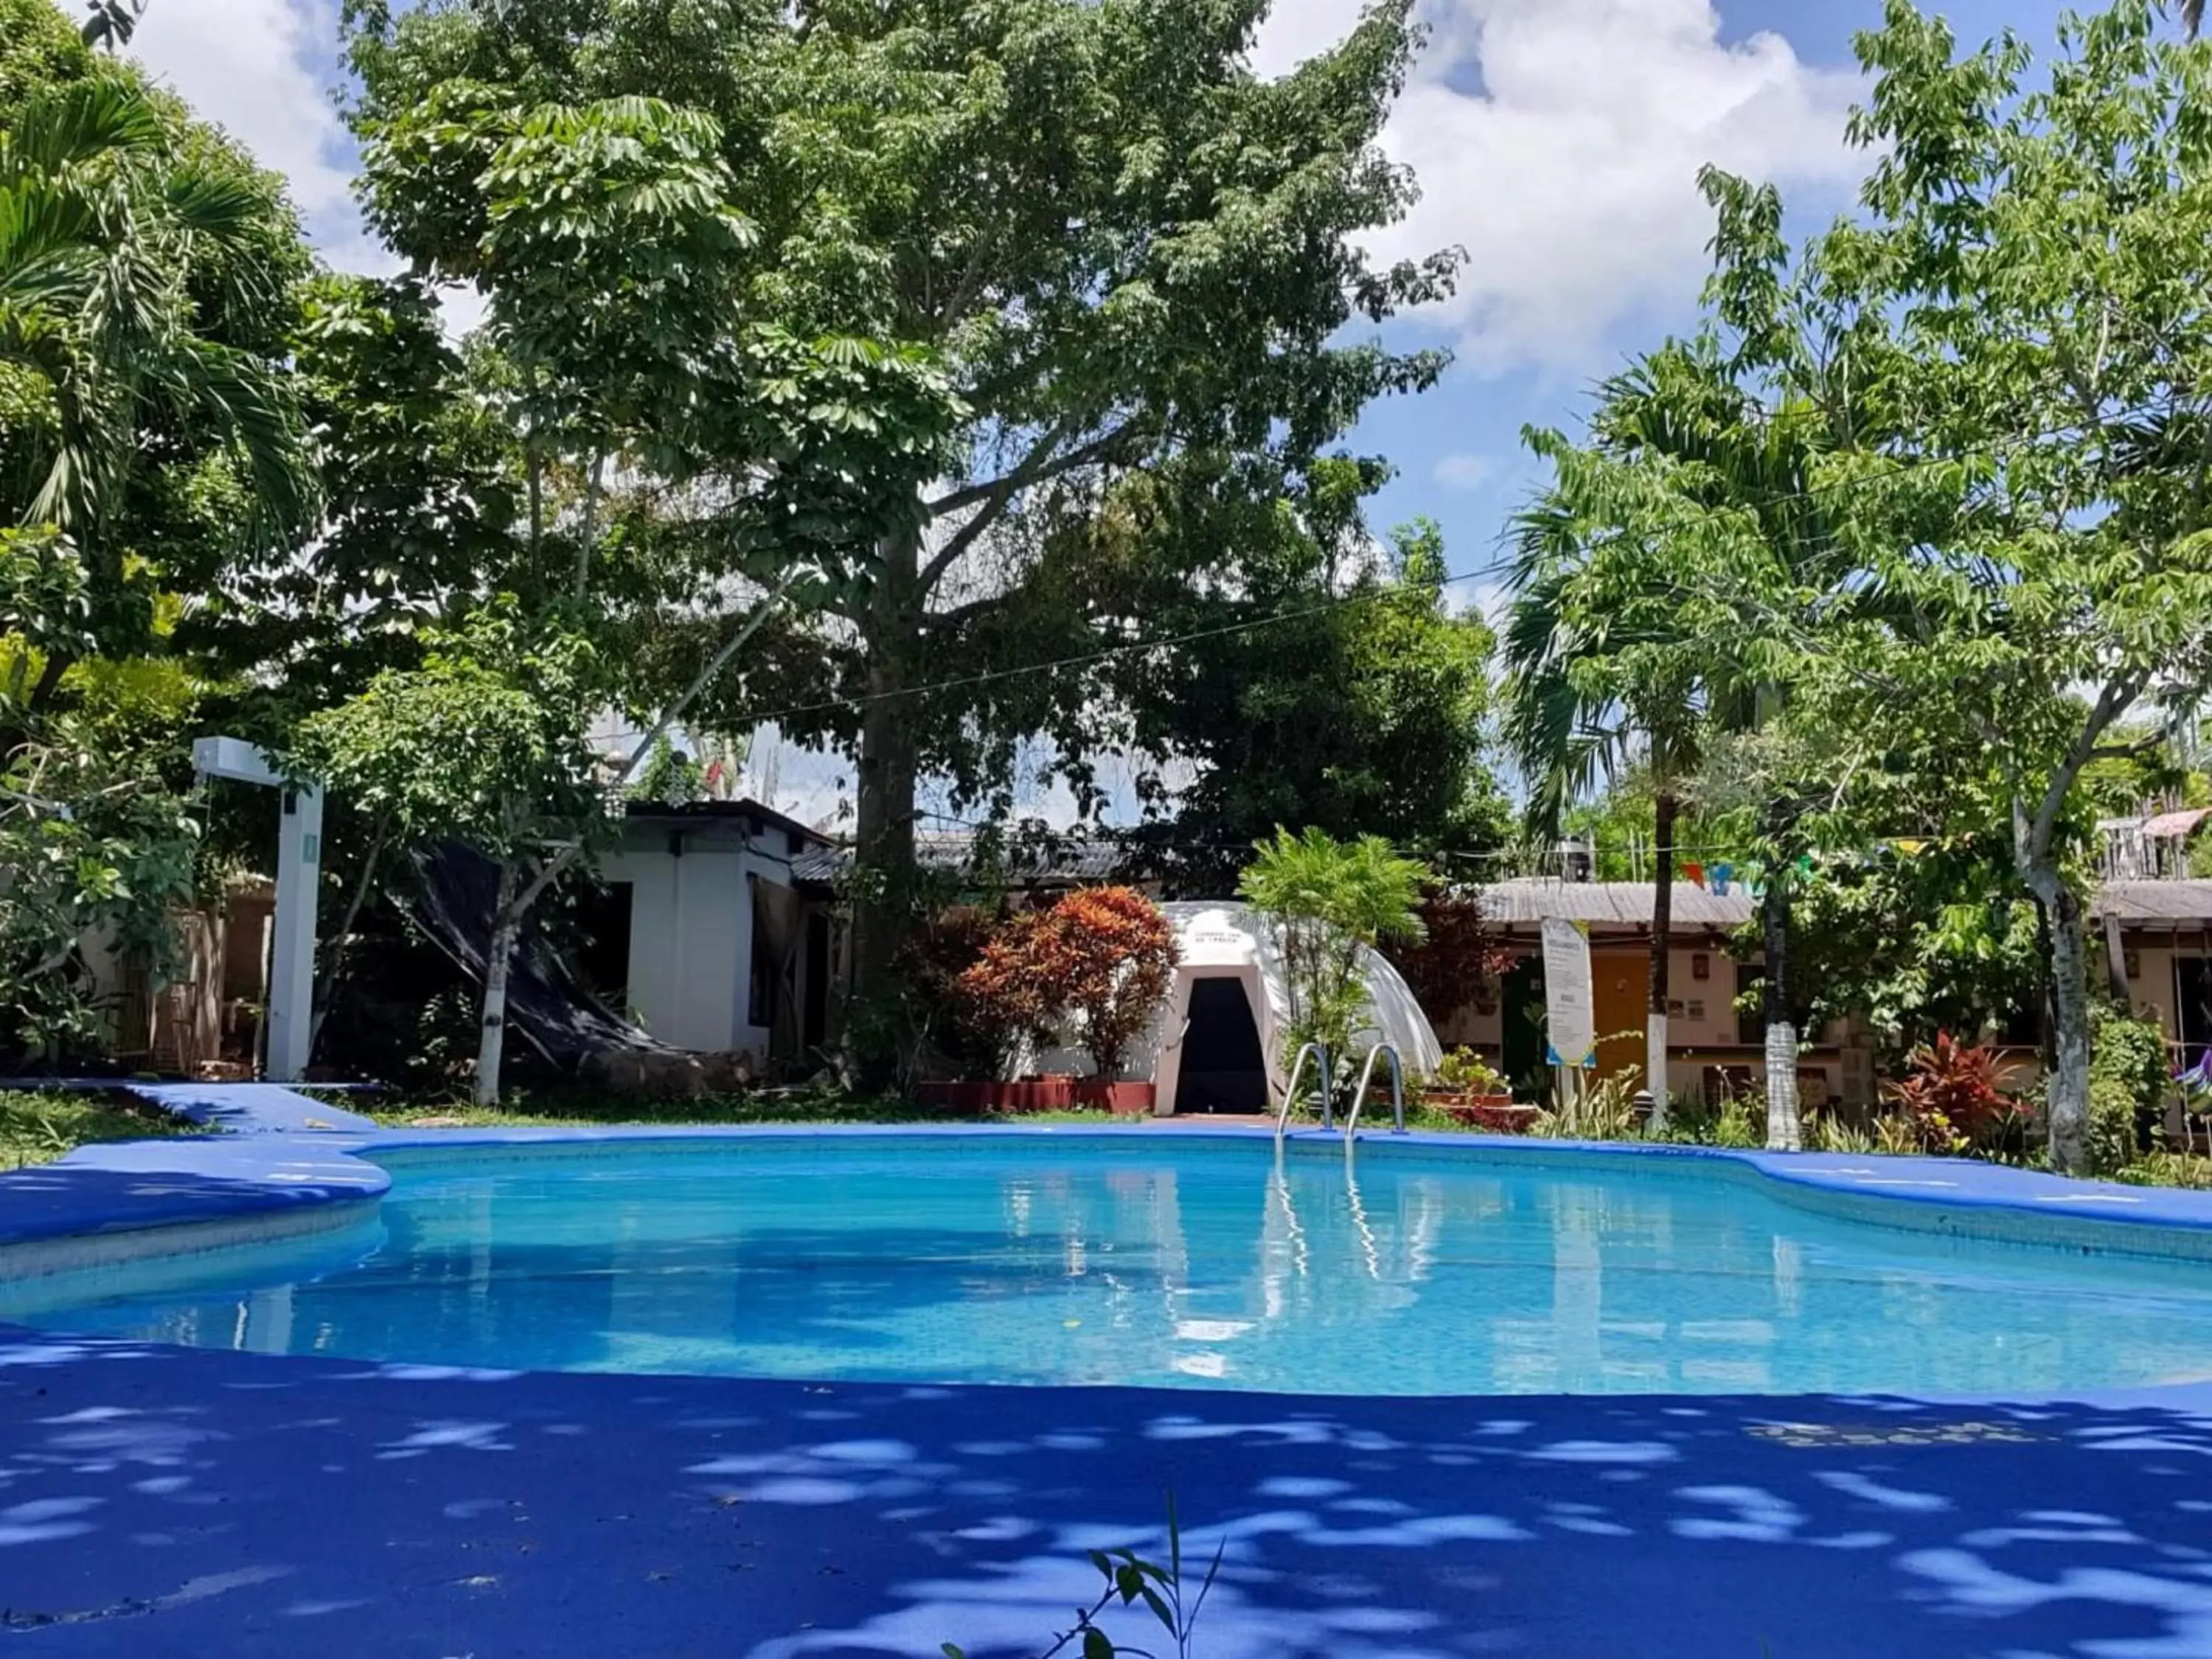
[(1129, 1579)]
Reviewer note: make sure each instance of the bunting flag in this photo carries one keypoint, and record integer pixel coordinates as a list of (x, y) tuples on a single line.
[(1694, 874)]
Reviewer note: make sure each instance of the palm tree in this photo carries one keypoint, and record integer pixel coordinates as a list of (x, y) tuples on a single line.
[(1594, 690), (106, 227), (1613, 654)]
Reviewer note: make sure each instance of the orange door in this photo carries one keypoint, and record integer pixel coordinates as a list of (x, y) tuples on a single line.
[(1621, 996)]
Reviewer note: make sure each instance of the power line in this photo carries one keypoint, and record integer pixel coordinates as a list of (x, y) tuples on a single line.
[(1491, 571)]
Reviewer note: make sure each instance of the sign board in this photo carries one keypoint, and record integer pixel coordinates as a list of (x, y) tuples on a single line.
[(1570, 1010)]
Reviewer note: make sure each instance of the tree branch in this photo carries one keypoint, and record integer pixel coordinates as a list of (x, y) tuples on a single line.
[(991, 500)]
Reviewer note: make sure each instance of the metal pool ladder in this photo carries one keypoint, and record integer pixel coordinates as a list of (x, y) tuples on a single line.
[(1320, 1056), (1397, 1090)]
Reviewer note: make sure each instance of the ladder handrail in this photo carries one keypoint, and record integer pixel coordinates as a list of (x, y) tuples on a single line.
[(1397, 1088), (1291, 1089)]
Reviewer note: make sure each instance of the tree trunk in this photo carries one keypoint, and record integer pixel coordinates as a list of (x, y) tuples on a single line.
[(1784, 1132), (1664, 807), (2069, 1094), (506, 925), (883, 845)]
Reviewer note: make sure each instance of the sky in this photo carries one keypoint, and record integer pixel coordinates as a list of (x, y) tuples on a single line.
[(1557, 141)]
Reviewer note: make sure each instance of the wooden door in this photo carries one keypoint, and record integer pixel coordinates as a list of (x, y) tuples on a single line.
[(1620, 997)]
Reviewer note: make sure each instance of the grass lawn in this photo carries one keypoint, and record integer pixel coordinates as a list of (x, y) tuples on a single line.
[(574, 1111), (37, 1128)]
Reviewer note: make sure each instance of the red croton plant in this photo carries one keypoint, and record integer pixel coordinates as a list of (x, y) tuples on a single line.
[(1950, 1096), (1105, 953)]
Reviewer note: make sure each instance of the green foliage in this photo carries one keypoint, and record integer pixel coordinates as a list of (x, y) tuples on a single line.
[(668, 777), (1331, 902), (36, 1128), (1331, 689), (1463, 1072), (1083, 239), (93, 842), (1129, 1578), (1950, 1096), (2132, 1053), (483, 744)]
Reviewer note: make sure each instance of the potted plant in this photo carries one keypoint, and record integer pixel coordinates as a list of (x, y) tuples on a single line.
[(1101, 958), (1469, 1089)]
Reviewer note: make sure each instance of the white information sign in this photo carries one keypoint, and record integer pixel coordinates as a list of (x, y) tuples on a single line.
[(1569, 1013)]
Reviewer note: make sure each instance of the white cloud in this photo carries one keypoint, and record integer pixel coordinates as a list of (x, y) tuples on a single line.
[(1560, 141), (249, 66), (1464, 470)]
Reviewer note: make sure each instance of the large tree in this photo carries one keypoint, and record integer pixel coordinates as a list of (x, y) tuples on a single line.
[(1121, 244), (1325, 679), (1648, 577), (2035, 543)]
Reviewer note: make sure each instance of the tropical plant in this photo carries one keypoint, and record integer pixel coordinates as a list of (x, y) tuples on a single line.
[(1950, 1097), (1331, 902), (1115, 955), (1463, 1072), (1620, 658), (976, 1033), (2031, 557), (1130, 1578), (144, 274), (1120, 243), (1102, 957)]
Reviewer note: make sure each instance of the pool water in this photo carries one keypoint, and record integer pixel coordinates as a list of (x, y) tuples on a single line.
[(1152, 1260)]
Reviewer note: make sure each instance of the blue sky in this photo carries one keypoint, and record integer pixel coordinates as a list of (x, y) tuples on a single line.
[(1556, 140)]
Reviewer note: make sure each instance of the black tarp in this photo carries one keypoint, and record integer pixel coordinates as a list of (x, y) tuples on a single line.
[(547, 1004)]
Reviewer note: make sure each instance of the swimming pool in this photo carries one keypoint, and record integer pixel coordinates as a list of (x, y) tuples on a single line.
[(1157, 1259)]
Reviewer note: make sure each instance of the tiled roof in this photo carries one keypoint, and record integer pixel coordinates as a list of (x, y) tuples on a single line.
[(1526, 901)]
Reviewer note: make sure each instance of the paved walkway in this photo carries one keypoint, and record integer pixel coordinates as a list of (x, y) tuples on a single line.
[(163, 1502)]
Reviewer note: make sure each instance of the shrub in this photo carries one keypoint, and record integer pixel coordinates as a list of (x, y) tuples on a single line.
[(1110, 956), (1949, 1099), (976, 1032), (1463, 1072), (1456, 959), (2113, 1113), (1104, 954), (1331, 902)]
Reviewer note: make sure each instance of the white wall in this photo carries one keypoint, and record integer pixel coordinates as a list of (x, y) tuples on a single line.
[(691, 940)]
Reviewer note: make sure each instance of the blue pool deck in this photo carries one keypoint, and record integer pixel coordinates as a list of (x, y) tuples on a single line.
[(158, 1501)]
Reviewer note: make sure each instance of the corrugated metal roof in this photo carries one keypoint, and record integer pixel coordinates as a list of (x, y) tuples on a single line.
[(2156, 900), (2168, 825), (1527, 900), (1068, 862)]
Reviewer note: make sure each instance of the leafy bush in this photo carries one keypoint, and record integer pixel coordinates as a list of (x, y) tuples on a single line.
[(1331, 902), (1463, 1072), (976, 1033), (1103, 955), (2132, 1054), (1109, 955), (1457, 957), (2113, 1115), (1949, 1100)]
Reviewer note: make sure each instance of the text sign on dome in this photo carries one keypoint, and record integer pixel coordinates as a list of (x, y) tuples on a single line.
[(1570, 1017)]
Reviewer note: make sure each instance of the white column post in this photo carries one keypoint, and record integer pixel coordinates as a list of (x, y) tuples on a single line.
[(292, 958), (288, 1024)]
